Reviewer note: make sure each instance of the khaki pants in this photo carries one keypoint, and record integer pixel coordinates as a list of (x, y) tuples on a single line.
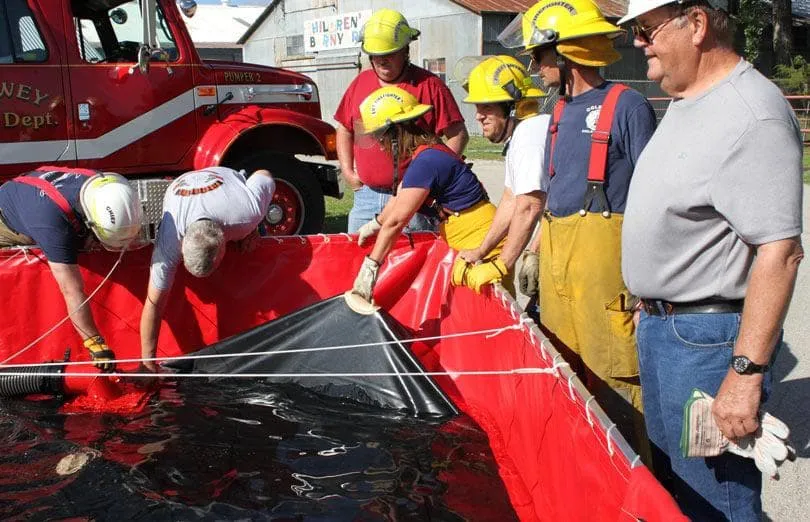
[(587, 308), (9, 238)]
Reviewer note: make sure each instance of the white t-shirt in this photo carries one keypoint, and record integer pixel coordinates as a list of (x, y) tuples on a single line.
[(216, 193), (524, 158)]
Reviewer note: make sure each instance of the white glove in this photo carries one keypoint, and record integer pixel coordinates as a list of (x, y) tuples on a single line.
[(529, 273), (366, 278), (700, 437), (368, 230)]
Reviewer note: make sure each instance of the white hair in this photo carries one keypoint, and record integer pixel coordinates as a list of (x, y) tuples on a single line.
[(203, 247)]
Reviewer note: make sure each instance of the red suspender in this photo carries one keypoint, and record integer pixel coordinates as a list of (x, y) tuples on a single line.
[(553, 128), (438, 146), (68, 170), (431, 202), (600, 139), (49, 190)]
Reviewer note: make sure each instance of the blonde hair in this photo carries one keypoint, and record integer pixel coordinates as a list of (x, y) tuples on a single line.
[(203, 247)]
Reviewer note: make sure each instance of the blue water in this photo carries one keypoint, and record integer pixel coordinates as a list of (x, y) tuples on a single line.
[(235, 451)]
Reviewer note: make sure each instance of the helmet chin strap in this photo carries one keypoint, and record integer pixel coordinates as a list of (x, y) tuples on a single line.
[(563, 68), (510, 115), (395, 151)]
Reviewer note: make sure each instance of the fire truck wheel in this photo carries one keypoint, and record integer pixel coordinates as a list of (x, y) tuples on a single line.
[(297, 206)]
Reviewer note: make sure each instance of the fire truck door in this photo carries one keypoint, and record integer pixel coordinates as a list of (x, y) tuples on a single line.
[(34, 125), (126, 118)]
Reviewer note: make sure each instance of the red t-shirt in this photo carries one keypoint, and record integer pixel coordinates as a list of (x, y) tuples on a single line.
[(374, 166)]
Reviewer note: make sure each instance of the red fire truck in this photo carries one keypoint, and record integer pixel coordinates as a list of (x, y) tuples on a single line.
[(117, 85)]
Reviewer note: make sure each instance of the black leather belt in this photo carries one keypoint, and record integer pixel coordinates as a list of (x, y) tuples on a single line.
[(705, 306)]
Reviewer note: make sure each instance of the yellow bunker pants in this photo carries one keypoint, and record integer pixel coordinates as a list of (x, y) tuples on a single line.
[(586, 306), (468, 230)]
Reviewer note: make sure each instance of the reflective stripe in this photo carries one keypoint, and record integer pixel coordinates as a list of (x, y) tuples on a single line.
[(149, 122)]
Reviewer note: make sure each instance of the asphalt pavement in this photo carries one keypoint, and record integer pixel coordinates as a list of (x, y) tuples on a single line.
[(788, 498)]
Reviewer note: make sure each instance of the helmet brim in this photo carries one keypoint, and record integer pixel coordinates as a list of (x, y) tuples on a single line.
[(415, 112)]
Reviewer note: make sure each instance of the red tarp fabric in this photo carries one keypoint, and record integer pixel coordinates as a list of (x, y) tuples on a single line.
[(555, 463)]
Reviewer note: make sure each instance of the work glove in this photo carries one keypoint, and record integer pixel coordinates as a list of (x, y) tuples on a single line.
[(485, 273), (366, 279), (769, 446), (368, 230), (529, 274), (103, 357), (459, 275)]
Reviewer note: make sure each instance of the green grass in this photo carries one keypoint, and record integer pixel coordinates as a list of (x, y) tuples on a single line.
[(480, 148), (337, 212)]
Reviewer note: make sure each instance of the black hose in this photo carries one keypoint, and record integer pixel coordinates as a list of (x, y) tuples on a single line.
[(34, 379)]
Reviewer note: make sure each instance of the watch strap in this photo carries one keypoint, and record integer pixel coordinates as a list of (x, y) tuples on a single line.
[(750, 366)]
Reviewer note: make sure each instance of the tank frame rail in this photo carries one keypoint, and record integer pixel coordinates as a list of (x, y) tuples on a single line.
[(151, 192), (575, 388)]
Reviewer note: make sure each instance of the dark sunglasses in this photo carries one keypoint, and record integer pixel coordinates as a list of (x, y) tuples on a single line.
[(647, 34)]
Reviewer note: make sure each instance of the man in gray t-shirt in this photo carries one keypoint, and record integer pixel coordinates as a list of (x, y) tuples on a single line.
[(202, 211), (710, 244)]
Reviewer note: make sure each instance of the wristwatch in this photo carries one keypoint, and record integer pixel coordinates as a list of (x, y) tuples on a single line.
[(744, 366)]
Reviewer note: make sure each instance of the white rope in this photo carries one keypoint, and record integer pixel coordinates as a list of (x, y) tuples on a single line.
[(68, 316), (19, 250), (492, 331), (450, 373)]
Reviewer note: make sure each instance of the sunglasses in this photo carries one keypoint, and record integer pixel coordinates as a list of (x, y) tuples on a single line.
[(647, 34)]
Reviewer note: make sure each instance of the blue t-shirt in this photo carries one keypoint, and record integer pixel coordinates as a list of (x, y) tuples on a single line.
[(448, 179), (26, 210), (633, 125)]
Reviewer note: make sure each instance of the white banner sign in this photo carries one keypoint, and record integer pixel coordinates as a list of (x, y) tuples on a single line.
[(334, 32)]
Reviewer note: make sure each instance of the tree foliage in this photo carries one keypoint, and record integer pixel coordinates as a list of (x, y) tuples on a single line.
[(753, 18), (794, 78)]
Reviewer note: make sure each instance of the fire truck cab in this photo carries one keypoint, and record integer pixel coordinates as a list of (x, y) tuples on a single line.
[(118, 85)]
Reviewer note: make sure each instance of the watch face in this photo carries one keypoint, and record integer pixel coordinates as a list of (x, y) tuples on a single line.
[(740, 363)]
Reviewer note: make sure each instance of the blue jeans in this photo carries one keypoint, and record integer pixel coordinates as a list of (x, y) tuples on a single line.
[(676, 354), (369, 202)]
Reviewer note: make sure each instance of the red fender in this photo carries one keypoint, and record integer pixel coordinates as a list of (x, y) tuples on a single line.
[(220, 136)]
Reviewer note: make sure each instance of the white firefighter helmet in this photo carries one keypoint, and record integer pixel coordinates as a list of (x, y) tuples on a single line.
[(112, 210)]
